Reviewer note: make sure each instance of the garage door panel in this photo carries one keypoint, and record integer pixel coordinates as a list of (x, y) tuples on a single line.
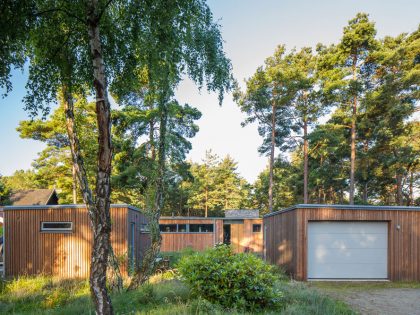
[(351, 271), (349, 240), (343, 227), (347, 256), (347, 250)]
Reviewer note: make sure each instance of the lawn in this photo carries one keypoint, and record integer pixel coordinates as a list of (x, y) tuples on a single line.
[(362, 285), (45, 295)]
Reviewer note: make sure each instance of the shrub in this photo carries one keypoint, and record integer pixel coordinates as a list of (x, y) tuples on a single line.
[(241, 281)]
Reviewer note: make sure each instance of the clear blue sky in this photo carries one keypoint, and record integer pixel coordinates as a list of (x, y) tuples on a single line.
[(251, 30)]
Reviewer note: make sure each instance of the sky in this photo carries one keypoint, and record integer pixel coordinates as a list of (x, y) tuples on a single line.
[(251, 30)]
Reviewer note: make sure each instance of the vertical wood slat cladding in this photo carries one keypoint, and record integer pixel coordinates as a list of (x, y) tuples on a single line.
[(242, 235), (142, 239), (67, 255), (173, 242), (281, 242), (291, 227)]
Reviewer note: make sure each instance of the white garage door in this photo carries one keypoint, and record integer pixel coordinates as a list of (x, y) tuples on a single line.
[(347, 250)]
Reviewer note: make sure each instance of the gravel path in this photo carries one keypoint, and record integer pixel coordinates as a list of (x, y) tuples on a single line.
[(389, 301)]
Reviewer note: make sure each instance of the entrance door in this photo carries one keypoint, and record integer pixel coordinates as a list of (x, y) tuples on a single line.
[(226, 234)]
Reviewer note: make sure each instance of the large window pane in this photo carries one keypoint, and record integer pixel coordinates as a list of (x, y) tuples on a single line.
[(167, 228), (201, 228)]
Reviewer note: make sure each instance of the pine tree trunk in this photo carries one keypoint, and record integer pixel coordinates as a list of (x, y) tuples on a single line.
[(74, 183), (152, 136), (366, 173), (101, 219), (365, 193), (206, 204), (411, 201), (149, 261), (399, 197), (273, 144), (305, 161), (353, 138)]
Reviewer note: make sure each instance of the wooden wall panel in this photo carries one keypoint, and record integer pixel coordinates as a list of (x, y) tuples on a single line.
[(30, 251), (173, 242), (253, 240), (142, 240), (403, 248), (219, 231), (281, 242)]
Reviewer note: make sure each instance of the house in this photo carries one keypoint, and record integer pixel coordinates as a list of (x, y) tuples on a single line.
[(313, 242), (240, 228), (32, 197), (56, 239)]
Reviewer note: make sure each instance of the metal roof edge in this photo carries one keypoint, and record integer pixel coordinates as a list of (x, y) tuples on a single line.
[(64, 206), (343, 207), (206, 218)]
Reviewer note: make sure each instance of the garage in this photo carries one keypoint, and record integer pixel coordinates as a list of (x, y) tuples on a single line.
[(344, 242), (347, 250)]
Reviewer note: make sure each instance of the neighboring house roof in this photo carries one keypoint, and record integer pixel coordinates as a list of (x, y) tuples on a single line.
[(34, 197), (239, 213)]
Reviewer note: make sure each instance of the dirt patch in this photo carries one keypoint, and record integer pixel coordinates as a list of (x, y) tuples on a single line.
[(389, 301)]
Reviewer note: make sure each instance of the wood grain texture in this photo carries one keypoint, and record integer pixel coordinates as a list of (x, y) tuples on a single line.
[(286, 238), (29, 251)]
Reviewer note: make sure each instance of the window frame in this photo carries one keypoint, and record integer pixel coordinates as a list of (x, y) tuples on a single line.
[(56, 230), (144, 228), (257, 224), (200, 232), (187, 228), (165, 224)]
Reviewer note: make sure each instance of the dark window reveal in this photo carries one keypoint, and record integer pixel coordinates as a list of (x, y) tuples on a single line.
[(182, 228), (256, 228), (201, 228), (56, 226), (168, 228)]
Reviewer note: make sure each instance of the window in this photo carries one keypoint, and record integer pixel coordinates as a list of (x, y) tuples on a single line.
[(182, 228), (256, 228), (56, 226), (144, 228), (201, 228), (167, 228)]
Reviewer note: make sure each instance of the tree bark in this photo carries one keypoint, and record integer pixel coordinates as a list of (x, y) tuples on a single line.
[(272, 147), (206, 204), (399, 196), (100, 218), (152, 136), (411, 192), (305, 161), (365, 193), (148, 266), (74, 183), (353, 137)]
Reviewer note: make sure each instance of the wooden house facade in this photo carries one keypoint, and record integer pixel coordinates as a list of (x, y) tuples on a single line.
[(56, 240), (242, 233)]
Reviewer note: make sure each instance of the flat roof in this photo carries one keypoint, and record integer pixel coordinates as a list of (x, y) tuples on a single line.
[(344, 207), (70, 206), (207, 218)]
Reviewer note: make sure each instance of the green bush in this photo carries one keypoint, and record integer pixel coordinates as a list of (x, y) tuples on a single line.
[(241, 281)]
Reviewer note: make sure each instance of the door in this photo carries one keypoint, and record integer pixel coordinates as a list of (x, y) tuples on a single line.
[(347, 250)]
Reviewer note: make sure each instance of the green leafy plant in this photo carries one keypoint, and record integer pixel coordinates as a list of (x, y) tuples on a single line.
[(241, 281)]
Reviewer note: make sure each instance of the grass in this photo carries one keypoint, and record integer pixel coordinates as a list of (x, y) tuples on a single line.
[(363, 285), (163, 295)]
